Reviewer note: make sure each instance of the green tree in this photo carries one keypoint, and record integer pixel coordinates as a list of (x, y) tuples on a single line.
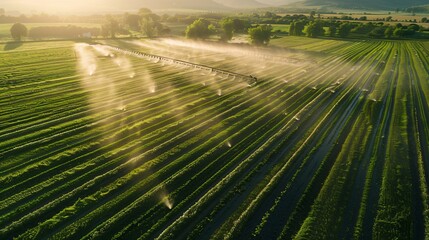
[(148, 27), (377, 32), (148, 14), (363, 28), (111, 27), (399, 32), (148, 22), (261, 34), (200, 29), (240, 26), (292, 28), (296, 28), (312, 14), (388, 32), (227, 25), (344, 29), (315, 29), (332, 30), (299, 27), (18, 30), (413, 27), (424, 20), (132, 21)]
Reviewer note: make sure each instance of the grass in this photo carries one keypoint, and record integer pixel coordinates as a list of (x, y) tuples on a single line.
[(281, 27)]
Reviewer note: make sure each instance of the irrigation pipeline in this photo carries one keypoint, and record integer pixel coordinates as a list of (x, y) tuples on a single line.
[(251, 80)]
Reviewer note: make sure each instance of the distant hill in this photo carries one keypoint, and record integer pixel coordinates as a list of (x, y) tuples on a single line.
[(363, 4), (199, 4), (202, 4), (420, 9), (277, 2), (241, 3), (171, 4)]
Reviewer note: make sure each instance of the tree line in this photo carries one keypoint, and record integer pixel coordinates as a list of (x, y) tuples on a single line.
[(260, 34), (345, 29), (257, 26), (69, 31), (19, 30), (227, 27), (144, 22)]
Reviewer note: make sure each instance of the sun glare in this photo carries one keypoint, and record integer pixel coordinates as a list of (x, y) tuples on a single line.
[(56, 6)]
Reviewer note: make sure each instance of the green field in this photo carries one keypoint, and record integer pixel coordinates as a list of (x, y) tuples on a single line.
[(331, 143), (281, 27)]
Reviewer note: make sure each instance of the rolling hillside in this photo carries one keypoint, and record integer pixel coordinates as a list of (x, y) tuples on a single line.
[(242, 3), (277, 2), (383, 4), (167, 4)]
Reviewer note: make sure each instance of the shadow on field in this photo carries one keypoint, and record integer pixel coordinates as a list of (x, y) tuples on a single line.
[(12, 45)]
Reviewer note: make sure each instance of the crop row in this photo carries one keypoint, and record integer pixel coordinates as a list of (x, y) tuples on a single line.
[(331, 142)]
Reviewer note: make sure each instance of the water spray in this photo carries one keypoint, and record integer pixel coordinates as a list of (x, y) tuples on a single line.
[(168, 202)]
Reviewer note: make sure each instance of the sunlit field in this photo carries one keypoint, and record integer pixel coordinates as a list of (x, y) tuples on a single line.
[(100, 142)]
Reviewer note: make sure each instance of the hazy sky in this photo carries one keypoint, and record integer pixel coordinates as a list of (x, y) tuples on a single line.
[(53, 6), (86, 6)]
